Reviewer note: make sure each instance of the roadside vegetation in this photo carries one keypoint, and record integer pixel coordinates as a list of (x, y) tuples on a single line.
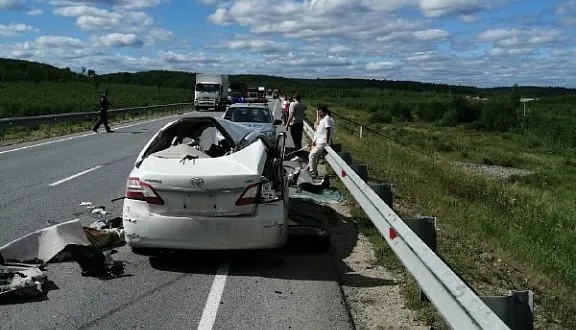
[(32, 89), (504, 232), (26, 99)]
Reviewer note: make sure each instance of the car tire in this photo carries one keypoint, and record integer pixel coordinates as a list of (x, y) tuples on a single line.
[(305, 238)]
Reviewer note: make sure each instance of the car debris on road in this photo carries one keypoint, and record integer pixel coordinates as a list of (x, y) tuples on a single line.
[(20, 281), (90, 246)]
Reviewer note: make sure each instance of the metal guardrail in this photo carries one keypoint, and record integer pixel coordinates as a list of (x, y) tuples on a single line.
[(79, 116), (460, 307)]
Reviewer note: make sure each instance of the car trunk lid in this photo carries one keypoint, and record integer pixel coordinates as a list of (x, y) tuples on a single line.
[(203, 185)]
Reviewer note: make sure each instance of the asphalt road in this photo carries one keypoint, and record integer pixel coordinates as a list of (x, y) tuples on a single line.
[(40, 185)]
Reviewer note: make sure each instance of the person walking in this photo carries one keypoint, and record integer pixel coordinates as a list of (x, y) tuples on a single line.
[(296, 122), (104, 103), (323, 136)]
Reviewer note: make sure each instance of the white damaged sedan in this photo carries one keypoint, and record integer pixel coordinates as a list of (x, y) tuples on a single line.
[(209, 184)]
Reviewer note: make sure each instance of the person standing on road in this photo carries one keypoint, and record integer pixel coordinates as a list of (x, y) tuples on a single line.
[(285, 109), (296, 122), (323, 136), (103, 114)]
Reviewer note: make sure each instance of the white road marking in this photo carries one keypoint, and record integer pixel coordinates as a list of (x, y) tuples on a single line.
[(78, 136), (211, 309), (74, 176)]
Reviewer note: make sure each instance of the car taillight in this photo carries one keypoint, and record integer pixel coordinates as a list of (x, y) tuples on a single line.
[(250, 195), (142, 191)]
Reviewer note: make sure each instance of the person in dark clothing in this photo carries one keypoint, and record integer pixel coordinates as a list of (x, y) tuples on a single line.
[(103, 114), (295, 123)]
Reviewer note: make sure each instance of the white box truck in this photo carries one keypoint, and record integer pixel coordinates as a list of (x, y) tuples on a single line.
[(211, 91)]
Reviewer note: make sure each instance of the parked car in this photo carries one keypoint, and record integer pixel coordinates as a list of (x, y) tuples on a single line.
[(257, 117), (207, 183)]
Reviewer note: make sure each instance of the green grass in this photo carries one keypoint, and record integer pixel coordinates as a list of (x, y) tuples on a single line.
[(528, 223), (27, 99)]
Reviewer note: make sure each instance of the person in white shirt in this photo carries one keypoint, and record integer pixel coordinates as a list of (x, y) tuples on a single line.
[(322, 137), (285, 109)]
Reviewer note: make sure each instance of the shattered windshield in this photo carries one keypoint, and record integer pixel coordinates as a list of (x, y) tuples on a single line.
[(191, 137)]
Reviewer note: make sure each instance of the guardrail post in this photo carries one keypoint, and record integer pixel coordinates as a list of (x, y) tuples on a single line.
[(346, 157), (425, 228), (516, 309), (361, 170), (385, 191)]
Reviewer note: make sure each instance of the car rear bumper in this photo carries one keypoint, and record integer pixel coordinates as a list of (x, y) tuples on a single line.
[(267, 230)]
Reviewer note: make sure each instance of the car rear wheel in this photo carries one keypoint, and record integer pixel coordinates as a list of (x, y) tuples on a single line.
[(305, 238)]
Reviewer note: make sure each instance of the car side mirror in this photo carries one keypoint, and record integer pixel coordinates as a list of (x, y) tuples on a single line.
[(277, 122)]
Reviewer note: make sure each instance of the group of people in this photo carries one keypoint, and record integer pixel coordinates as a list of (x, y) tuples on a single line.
[(293, 116)]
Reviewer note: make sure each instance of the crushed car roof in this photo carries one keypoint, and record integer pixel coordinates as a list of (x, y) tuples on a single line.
[(236, 131)]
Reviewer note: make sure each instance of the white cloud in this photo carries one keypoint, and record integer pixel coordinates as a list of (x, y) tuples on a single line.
[(190, 58), (73, 11), (439, 8), (57, 42), (263, 46), (96, 19), (567, 12), (433, 34), (378, 66), (340, 49), (159, 34), (13, 29), (125, 4), (121, 40), (497, 34), (35, 12), (220, 16), (465, 9), (469, 18), (523, 40), (11, 4)]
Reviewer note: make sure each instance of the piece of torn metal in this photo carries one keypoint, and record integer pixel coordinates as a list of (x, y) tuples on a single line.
[(105, 238), (99, 210), (107, 223), (20, 281), (44, 244)]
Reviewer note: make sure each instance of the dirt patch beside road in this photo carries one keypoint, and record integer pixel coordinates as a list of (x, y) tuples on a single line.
[(372, 292)]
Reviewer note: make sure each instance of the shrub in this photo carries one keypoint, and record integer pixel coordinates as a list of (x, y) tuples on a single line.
[(430, 112), (381, 117), (499, 116), (401, 111), (466, 112), (449, 118)]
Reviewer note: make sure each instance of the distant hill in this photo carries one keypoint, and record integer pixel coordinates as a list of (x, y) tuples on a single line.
[(162, 78), (20, 70)]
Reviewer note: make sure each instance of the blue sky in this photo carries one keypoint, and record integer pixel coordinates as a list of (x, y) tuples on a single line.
[(469, 42)]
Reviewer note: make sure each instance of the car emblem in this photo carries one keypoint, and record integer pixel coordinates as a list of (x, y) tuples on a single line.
[(196, 182)]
